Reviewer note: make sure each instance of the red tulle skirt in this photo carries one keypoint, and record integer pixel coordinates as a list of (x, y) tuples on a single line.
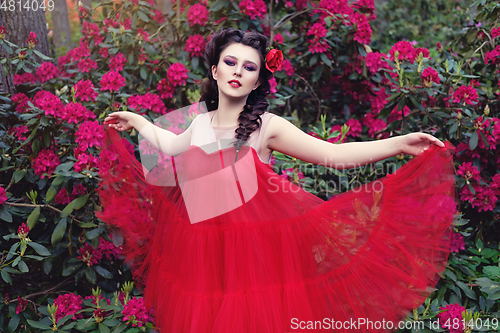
[(224, 246)]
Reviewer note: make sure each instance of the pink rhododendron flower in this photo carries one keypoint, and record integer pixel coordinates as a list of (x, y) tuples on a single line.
[(62, 197), (86, 65), (429, 75), (49, 103), (253, 8), (318, 46), (134, 312), (278, 38), (92, 31), (465, 94), (46, 71), (148, 101), (89, 255), (22, 102), (451, 315), (112, 81), (19, 132), (198, 14), (288, 174), (274, 84), (31, 40), (21, 304), (85, 162), (84, 90), (373, 123), (3, 195), (318, 30), (287, 66), (363, 32), (79, 189), (495, 32), (117, 62), (195, 45), (396, 115), (79, 52), (45, 163), (108, 249), (68, 304), (374, 61), (406, 51), (165, 90), (468, 171), (104, 52), (457, 242), (90, 134), (493, 56), (23, 231), (24, 78), (355, 128), (334, 7), (76, 113), (177, 74), (142, 35)]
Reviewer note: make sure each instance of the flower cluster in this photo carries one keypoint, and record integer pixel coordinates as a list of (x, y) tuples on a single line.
[(406, 51), (32, 41), (135, 313), (86, 65), (77, 113), (45, 163), (21, 304), (85, 162), (452, 314), (253, 8), (84, 90), (67, 305), (195, 45), (89, 134), (19, 132), (457, 242), (148, 101), (23, 231), (46, 71), (90, 255), (117, 62), (49, 103), (112, 81), (198, 14), (429, 75), (3, 32), (177, 74), (465, 95), (363, 32)]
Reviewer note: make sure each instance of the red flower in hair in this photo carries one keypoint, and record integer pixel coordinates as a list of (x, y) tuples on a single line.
[(274, 58)]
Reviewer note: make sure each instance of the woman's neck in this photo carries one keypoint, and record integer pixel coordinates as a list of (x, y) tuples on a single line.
[(228, 112)]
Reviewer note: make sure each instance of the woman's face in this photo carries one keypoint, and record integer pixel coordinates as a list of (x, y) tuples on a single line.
[(237, 72)]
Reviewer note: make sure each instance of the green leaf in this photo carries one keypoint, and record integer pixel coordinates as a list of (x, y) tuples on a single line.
[(40, 249), (402, 103), (143, 16), (51, 194), (469, 292), (79, 202), (144, 74), (473, 140), (23, 267), (90, 274), (19, 174), (36, 324), (325, 59), (68, 209), (33, 218), (103, 328), (416, 103), (59, 231), (95, 232), (217, 5), (313, 60), (58, 180), (194, 63), (13, 323), (6, 276), (317, 73), (5, 215), (70, 269), (41, 55), (103, 272)]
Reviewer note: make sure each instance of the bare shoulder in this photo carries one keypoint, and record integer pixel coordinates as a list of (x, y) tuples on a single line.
[(285, 137)]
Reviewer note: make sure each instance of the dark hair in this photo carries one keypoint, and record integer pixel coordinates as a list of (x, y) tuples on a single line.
[(249, 119)]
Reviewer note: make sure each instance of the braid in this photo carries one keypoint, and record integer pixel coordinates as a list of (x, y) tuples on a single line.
[(249, 121)]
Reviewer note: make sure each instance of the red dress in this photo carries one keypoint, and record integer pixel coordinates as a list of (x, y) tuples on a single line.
[(224, 246)]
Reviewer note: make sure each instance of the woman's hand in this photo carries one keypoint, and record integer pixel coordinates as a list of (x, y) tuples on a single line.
[(417, 143), (120, 120)]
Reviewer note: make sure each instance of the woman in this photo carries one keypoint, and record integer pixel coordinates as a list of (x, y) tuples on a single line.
[(229, 246)]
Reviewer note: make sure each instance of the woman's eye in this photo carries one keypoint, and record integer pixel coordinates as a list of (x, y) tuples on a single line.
[(229, 63), (250, 68)]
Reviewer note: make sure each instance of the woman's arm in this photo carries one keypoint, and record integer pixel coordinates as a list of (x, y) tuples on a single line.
[(288, 139), (164, 140)]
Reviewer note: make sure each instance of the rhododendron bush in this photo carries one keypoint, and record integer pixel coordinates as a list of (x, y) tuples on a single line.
[(63, 268)]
